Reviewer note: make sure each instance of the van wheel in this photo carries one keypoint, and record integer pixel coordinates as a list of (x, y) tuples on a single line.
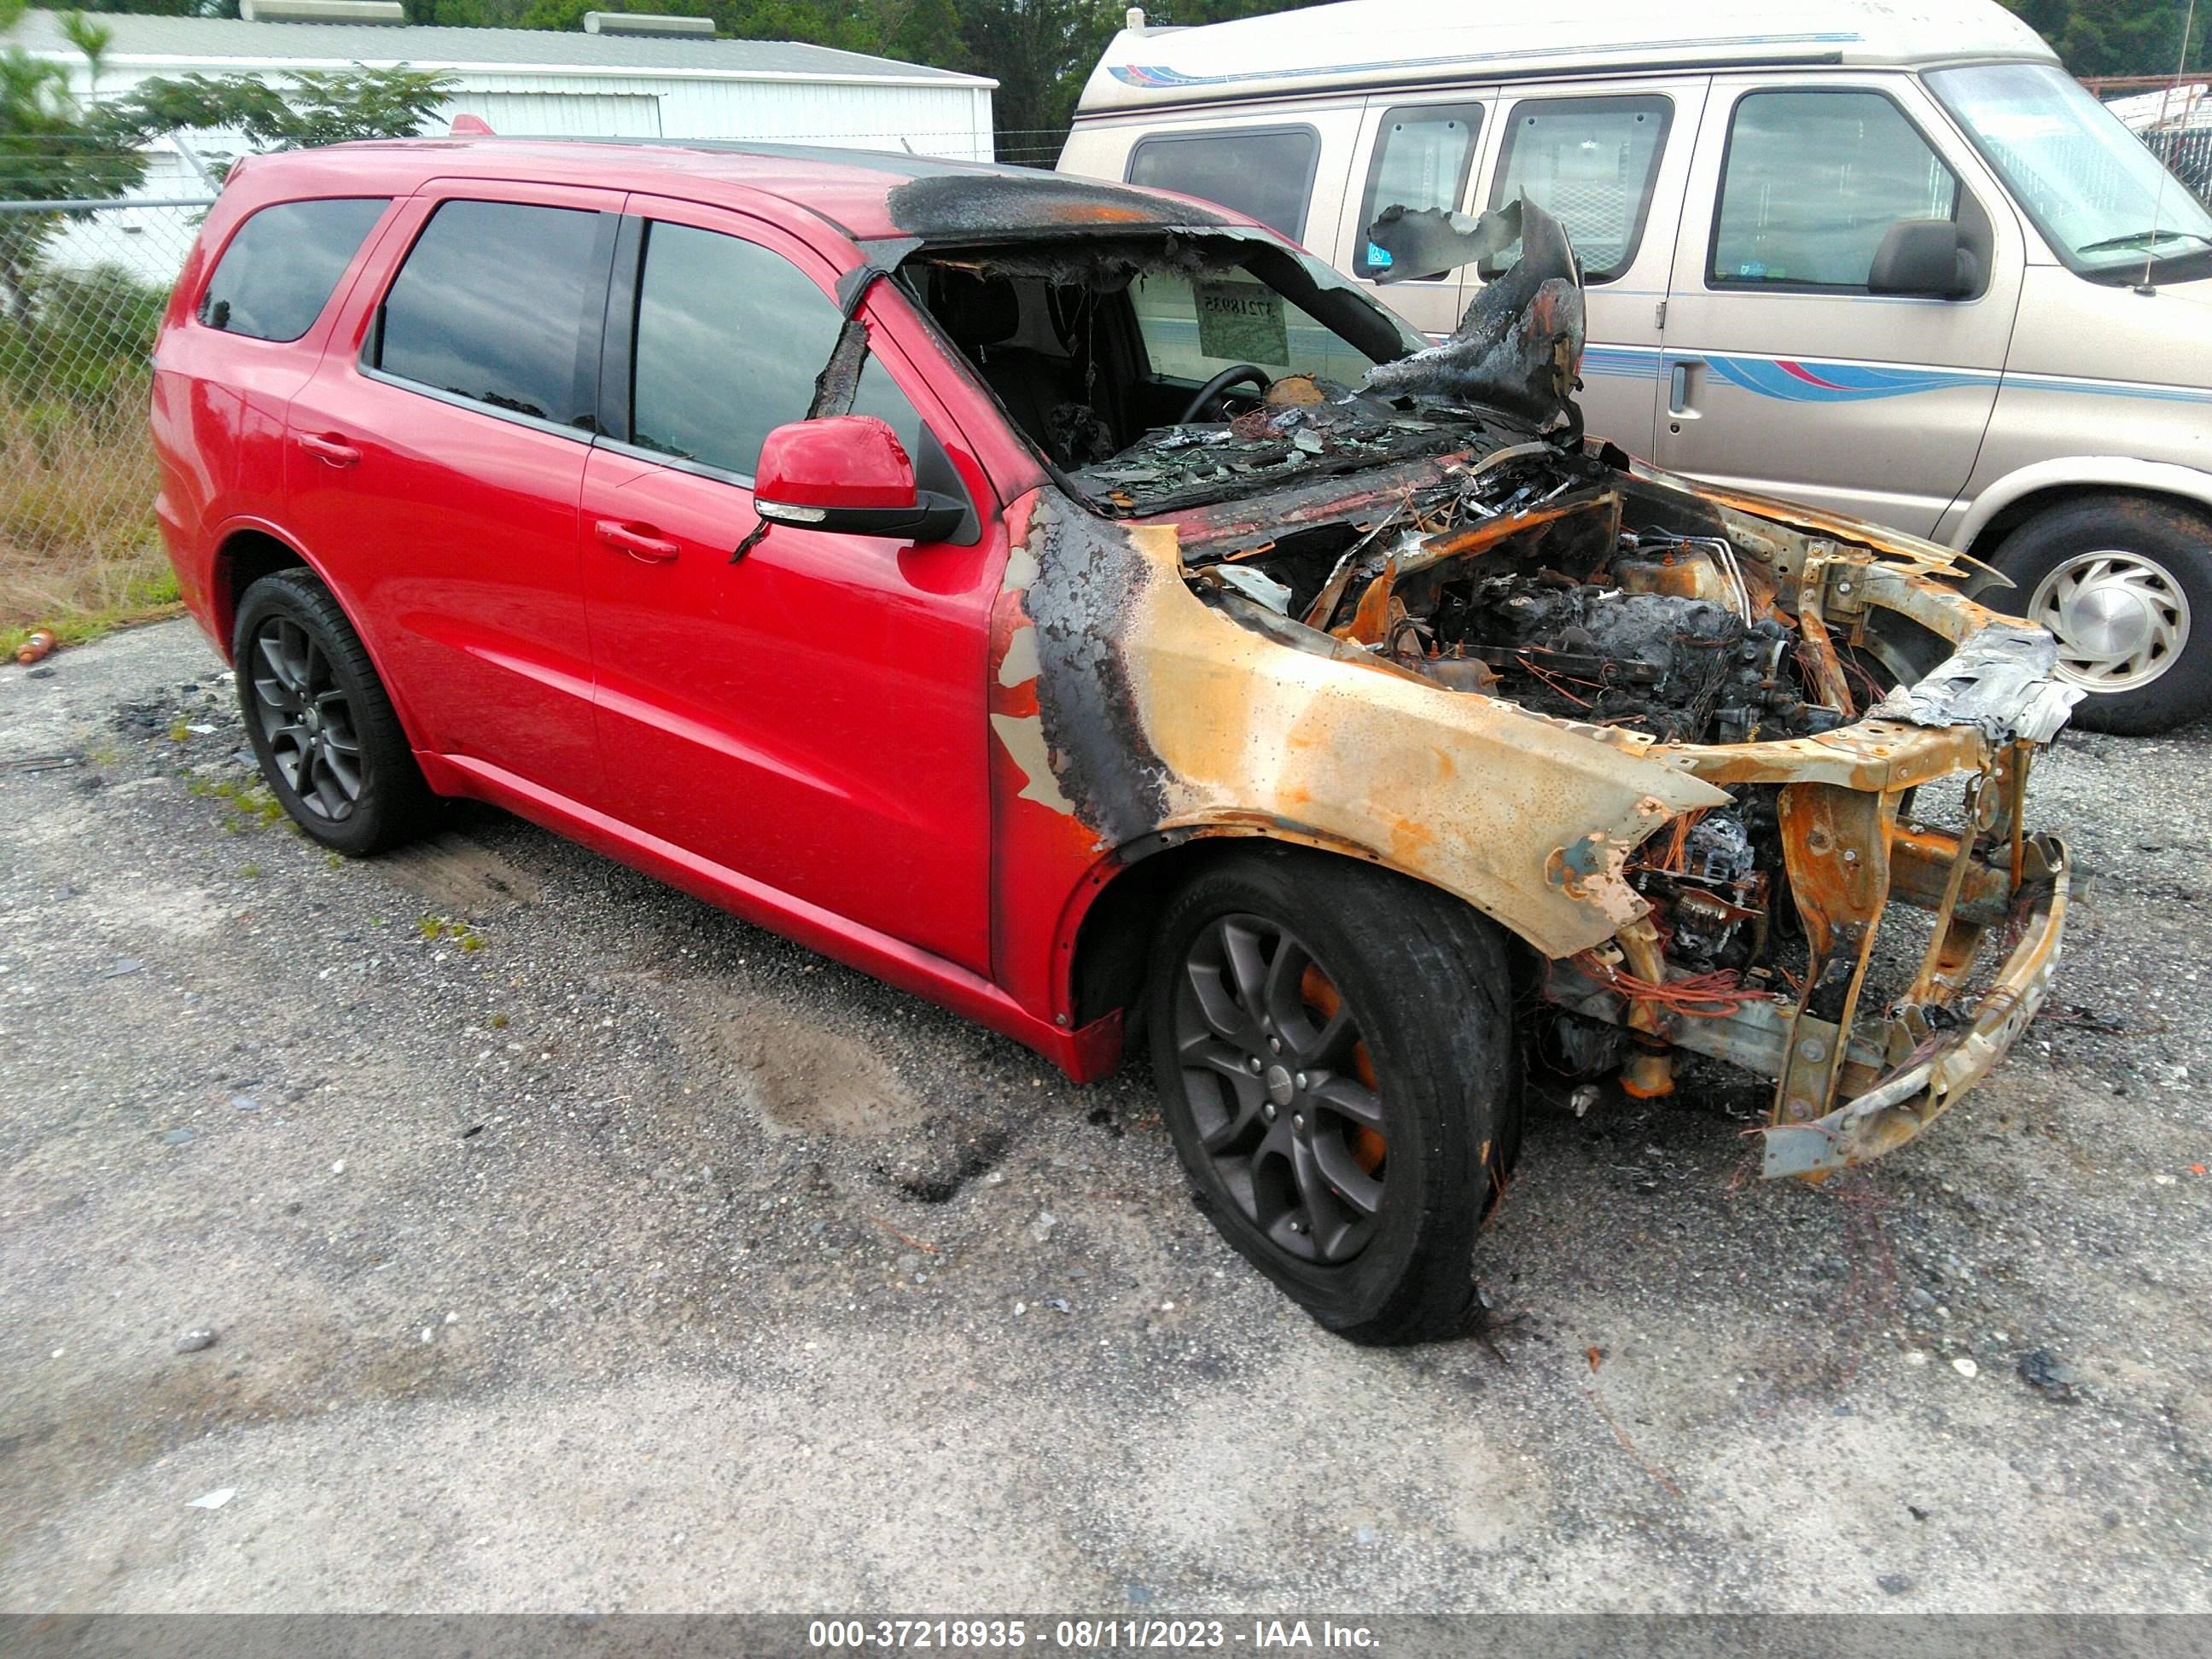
[(1335, 1052), (329, 746), (2126, 585)]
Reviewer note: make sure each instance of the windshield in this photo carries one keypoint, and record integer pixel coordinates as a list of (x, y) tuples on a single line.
[(1193, 327), (2104, 201)]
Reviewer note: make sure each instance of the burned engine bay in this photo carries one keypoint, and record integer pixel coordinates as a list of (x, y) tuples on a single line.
[(1517, 576), (1668, 737)]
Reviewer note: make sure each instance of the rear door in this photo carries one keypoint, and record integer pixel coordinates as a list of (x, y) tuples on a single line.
[(434, 462), (812, 716), (1608, 161), (1782, 373)]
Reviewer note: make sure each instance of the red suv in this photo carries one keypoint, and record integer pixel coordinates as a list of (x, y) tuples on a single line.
[(1080, 607)]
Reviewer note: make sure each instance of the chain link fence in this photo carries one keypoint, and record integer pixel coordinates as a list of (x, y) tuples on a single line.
[(82, 289), (2188, 152)]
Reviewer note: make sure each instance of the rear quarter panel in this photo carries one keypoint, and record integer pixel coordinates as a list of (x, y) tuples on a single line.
[(217, 413)]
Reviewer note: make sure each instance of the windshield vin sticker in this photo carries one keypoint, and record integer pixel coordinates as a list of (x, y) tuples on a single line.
[(1242, 323)]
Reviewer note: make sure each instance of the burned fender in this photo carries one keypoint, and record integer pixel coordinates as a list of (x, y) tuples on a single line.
[(1129, 707)]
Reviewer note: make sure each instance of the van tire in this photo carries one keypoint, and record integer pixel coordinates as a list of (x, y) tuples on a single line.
[(364, 794), (1430, 1052), (2159, 576)]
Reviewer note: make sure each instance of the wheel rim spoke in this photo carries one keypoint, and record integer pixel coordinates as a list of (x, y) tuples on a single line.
[(1348, 1097)]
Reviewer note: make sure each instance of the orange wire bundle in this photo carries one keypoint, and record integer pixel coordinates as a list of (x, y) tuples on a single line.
[(1714, 995)]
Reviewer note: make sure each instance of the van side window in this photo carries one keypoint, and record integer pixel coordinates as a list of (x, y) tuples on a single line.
[(493, 304), (1264, 172), (279, 271), (730, 338), (1591, 164), (1422, 155), (1812, 182)]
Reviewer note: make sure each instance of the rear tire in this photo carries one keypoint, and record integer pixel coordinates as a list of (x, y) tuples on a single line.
[(331, 748), (1335, 1050), (2126, 585)]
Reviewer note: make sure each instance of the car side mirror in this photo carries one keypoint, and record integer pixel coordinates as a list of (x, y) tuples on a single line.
[(1925, 257), (849, 473)]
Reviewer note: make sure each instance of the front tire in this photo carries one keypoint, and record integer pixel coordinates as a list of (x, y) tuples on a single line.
[(331, 748), (2126, 585), (1335, 1052)]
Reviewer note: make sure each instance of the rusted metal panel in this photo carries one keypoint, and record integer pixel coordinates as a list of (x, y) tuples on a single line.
[(1899, 1106)]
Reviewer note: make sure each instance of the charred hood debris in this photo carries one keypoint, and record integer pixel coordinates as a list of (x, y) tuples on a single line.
[(1669, 737)]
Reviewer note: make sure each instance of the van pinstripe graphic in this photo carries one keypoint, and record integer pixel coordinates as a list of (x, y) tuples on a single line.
[(1160, 76), (1816, 380)]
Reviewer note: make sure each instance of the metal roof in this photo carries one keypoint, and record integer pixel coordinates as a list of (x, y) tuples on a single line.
[(142, 41), (1363, 44)]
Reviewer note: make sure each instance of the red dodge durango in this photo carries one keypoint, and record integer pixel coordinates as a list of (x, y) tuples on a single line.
[(1078, 605)]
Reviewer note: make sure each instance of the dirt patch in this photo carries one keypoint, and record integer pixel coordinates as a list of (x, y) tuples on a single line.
[(457, 874), (809, 1078)]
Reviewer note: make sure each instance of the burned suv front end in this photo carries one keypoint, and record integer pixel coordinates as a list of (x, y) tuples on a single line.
[(1748, 781), (1813, 861)]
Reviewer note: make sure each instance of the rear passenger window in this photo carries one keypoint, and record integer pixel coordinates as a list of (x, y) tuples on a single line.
[(1422, 155), (730, 338), (493, 304), (1814, 180), (1590, 163), (1264, 172), (279, 271)]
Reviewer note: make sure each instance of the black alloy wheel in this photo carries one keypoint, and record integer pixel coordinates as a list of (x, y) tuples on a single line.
[(330, 747), (1280, 1089), (1337, 1062), (306, 718)]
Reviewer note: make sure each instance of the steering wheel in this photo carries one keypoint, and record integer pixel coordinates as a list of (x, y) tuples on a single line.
[(1211, 392)]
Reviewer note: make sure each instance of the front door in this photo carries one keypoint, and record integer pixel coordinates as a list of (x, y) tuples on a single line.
[(812, 716), (1783, 373), (434, 460)]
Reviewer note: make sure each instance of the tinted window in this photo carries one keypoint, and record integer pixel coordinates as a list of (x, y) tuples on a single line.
[(730, 338), (1267, 173), (1590, 163), (277, 273), (492, 304), (1813, 181), (1422, 155)]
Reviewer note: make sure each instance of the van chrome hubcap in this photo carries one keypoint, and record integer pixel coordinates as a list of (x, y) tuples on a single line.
[(2121, 619)]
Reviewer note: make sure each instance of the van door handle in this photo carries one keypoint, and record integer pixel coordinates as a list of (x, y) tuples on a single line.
[(1679, 388), (638, 544), (336, 452)]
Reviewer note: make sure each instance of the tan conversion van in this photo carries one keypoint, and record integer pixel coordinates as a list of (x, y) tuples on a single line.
[(1889, 259)]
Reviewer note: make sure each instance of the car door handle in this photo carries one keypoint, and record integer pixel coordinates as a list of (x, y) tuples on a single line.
[(1680, 386), (336, 450), (638, 544)]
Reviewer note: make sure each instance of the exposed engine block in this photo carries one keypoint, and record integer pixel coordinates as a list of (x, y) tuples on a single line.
[(1685, 670)]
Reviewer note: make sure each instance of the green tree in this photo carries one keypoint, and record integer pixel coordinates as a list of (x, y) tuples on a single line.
[(2117, 37)]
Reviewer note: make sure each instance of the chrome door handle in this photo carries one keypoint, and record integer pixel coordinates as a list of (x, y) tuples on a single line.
[(638, 542), (333, 450)]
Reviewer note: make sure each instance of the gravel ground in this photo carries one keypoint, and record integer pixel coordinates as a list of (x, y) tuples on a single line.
[(568, 1244)]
